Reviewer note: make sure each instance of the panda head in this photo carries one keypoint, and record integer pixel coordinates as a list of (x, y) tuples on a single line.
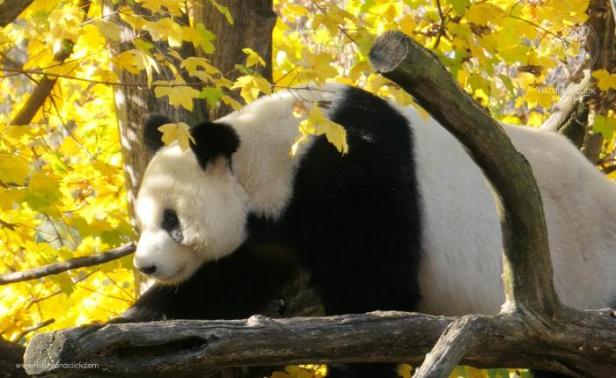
[(190, 208)]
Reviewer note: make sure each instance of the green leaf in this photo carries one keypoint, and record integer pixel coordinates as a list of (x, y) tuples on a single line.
[(498, 373), (43, 191), (605, 126), (143, 45), (506, 80), (212, 95), (13, 169), (64, 281), (460, 6)]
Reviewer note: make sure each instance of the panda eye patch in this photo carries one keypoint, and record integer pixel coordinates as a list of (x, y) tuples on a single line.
[(171, 224)]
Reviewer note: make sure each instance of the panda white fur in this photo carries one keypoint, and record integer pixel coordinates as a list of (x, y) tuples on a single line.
[(404, 221)]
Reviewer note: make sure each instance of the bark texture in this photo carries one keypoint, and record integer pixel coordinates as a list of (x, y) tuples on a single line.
[(602, 23), (253, 22), (10, 10), (194, 348), (135, 103)]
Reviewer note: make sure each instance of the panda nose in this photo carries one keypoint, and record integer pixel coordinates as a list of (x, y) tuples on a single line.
[(147, 269)]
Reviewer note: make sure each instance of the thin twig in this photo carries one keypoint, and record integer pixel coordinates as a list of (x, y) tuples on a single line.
[(33, 328), (441, 29), (36, 301), (78, 262), (118, 84), (318, 6), (546, 31)]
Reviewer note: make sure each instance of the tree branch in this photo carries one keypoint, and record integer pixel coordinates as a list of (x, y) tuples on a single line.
[(420, 73), (77, 262), (10, 10), (450, 347), (11, 354), (185, 347), (44, 87), (565, 111)]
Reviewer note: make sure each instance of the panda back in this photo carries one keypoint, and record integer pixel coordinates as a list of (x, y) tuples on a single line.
[(461, 264)]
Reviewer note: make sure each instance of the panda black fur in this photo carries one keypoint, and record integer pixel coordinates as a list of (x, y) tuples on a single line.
[(404, 221)]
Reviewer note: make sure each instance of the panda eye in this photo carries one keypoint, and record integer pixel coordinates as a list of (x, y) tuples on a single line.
[(171, 224)]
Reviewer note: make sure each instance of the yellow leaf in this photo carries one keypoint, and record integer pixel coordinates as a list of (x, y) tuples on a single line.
[(200, 68), (295, 9), (90, 38), (228, 100), (157, 6), (405, 370), (13, 170), (109, 30), (128, 15), (134, 61), (43, 191), (250, 86), (605, 80), (165, 29), (407, 24), (482, 13), (253, 58), (10, 196), (179, 132), (544, 96), (200, 37), (318, 124), (178, 92), (128, 62), (65, 23)]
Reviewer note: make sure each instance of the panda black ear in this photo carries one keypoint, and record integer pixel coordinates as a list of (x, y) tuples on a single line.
[(151, 135), (213, 140)]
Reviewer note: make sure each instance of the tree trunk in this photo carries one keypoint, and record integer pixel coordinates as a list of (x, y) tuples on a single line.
[(601, 21), (253, 22), (252, 27), (135, 102)]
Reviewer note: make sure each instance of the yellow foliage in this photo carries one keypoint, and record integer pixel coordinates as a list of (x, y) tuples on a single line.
[(200, 68), (251, 86), (177, 132), (253, 58), (316, 123), (605, 79), (302, 371), (165, 29), (178, 92), (173, 7), (484, 13)]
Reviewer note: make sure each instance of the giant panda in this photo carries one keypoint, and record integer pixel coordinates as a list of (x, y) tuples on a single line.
[(404, 220)]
